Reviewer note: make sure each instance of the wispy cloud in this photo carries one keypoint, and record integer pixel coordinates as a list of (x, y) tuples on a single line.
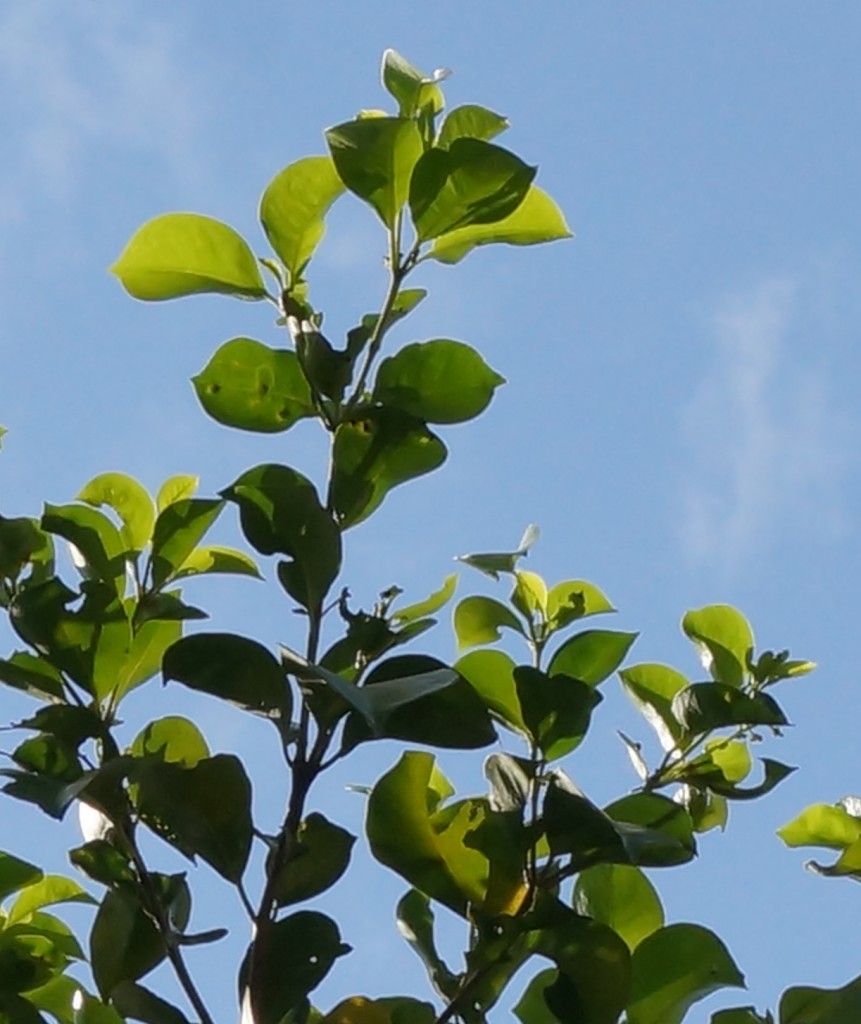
[(768, 446), (80, 78)]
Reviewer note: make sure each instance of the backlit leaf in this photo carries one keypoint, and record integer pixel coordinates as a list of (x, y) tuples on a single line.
[(478, 620), (591, 656), (621, 896), (471, 122), (724, 639), (129, 500)]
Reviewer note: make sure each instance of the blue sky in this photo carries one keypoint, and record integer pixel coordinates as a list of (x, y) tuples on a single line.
[(681, 414)]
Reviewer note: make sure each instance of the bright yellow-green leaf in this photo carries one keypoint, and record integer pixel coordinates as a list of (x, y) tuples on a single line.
[(537, 219), (575, 599), (529, 596), (48, 891), (478, 620), (622, 897), (357, 1010), (491, 675), (472, 122), (217, 559), (180, 254), (438, 599), (822, 825), (176, 488), (293, 207), (129, 500), (652, 687), (724, 639), (174, 739)]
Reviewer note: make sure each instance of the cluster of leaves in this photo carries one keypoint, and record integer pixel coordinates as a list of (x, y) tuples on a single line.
[(532, 866)]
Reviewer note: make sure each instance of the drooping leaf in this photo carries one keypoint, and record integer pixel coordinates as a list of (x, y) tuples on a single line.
[(203, 810), (828, 825), (510, 781), (250, 386), (321, 857), (233, 668), (374, 454), (537, 219), (421, 609), (437, 381), (301, 950), (281, 513), (470, 182), (705, 706), (491, 675), (724, 640), (415, 919), (179, 528), (470, 121), (32, 674), (47, 891), (374, 158), (591, 656), (124, 942), (556, 709), (652, 688), (293, 209), (94, 536), (129, 500), (16, 874), (478, 620), (676, 967), (185, 253), (621, 896)]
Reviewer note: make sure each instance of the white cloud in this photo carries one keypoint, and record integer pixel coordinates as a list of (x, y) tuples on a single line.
[(768, 446), (77, 78)]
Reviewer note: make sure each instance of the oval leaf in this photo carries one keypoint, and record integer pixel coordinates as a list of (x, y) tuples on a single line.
[(592, 655), (129, 500), (724, 639)]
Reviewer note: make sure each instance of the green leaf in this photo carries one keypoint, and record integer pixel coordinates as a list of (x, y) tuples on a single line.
[(23, 543), (572, 600), (33, 675), (529, 595), (148, 646), (180, 254), (16, 874), (232, 668), (438, 599), (556, 709), (100, 860), (437, 381), (375, 158), (415, 919), (62, 993), (532, 1007), (724, 639), (437, 849), (174, 739), (656, 813), (204, 810), (470, 122), (622, 897), (129, 500), (175, 488), (592, 655), (319, 859), (491, 675), (178, 530), (705, 706), (478, 620), (494, 563), (831, 826), (250, 386), (471, 182), (216, 559), (124, 942), (138, 1003), (301, 950), (373, 455), (405, 302), (95, 537), (409, 86), (537, 219), (293, 208), (741, 1015), (448, 715), (47, 891), (281, 513), (804, 1004), (676, 967), (652, 689)]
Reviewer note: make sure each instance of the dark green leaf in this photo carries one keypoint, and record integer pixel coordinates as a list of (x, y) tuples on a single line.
[(532, 1007), (416, 923), (124, 943), (184, 253), (138, 1003), (537, 219), (328, 370), (741, 1015), (59, 997), (32, 674), (471, 182), (655, 813), (621, 896), (470, 122), (478, 620), (376, 453), (375, 158), (320, 858), (22, 542), (301, 950), (804, 1004), (129, 500), (676, 967), (204, 810), (282, 514), (293, 208), (491, 675), (151, 639), (591, 656), (95, 538), (178, 530), (510, 782), (556, 709), (405, 302), (100, 860), (233, 668), (437, 381), (724, 639), (703, 707), (775, 773), (16, 874), (250, 386)]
